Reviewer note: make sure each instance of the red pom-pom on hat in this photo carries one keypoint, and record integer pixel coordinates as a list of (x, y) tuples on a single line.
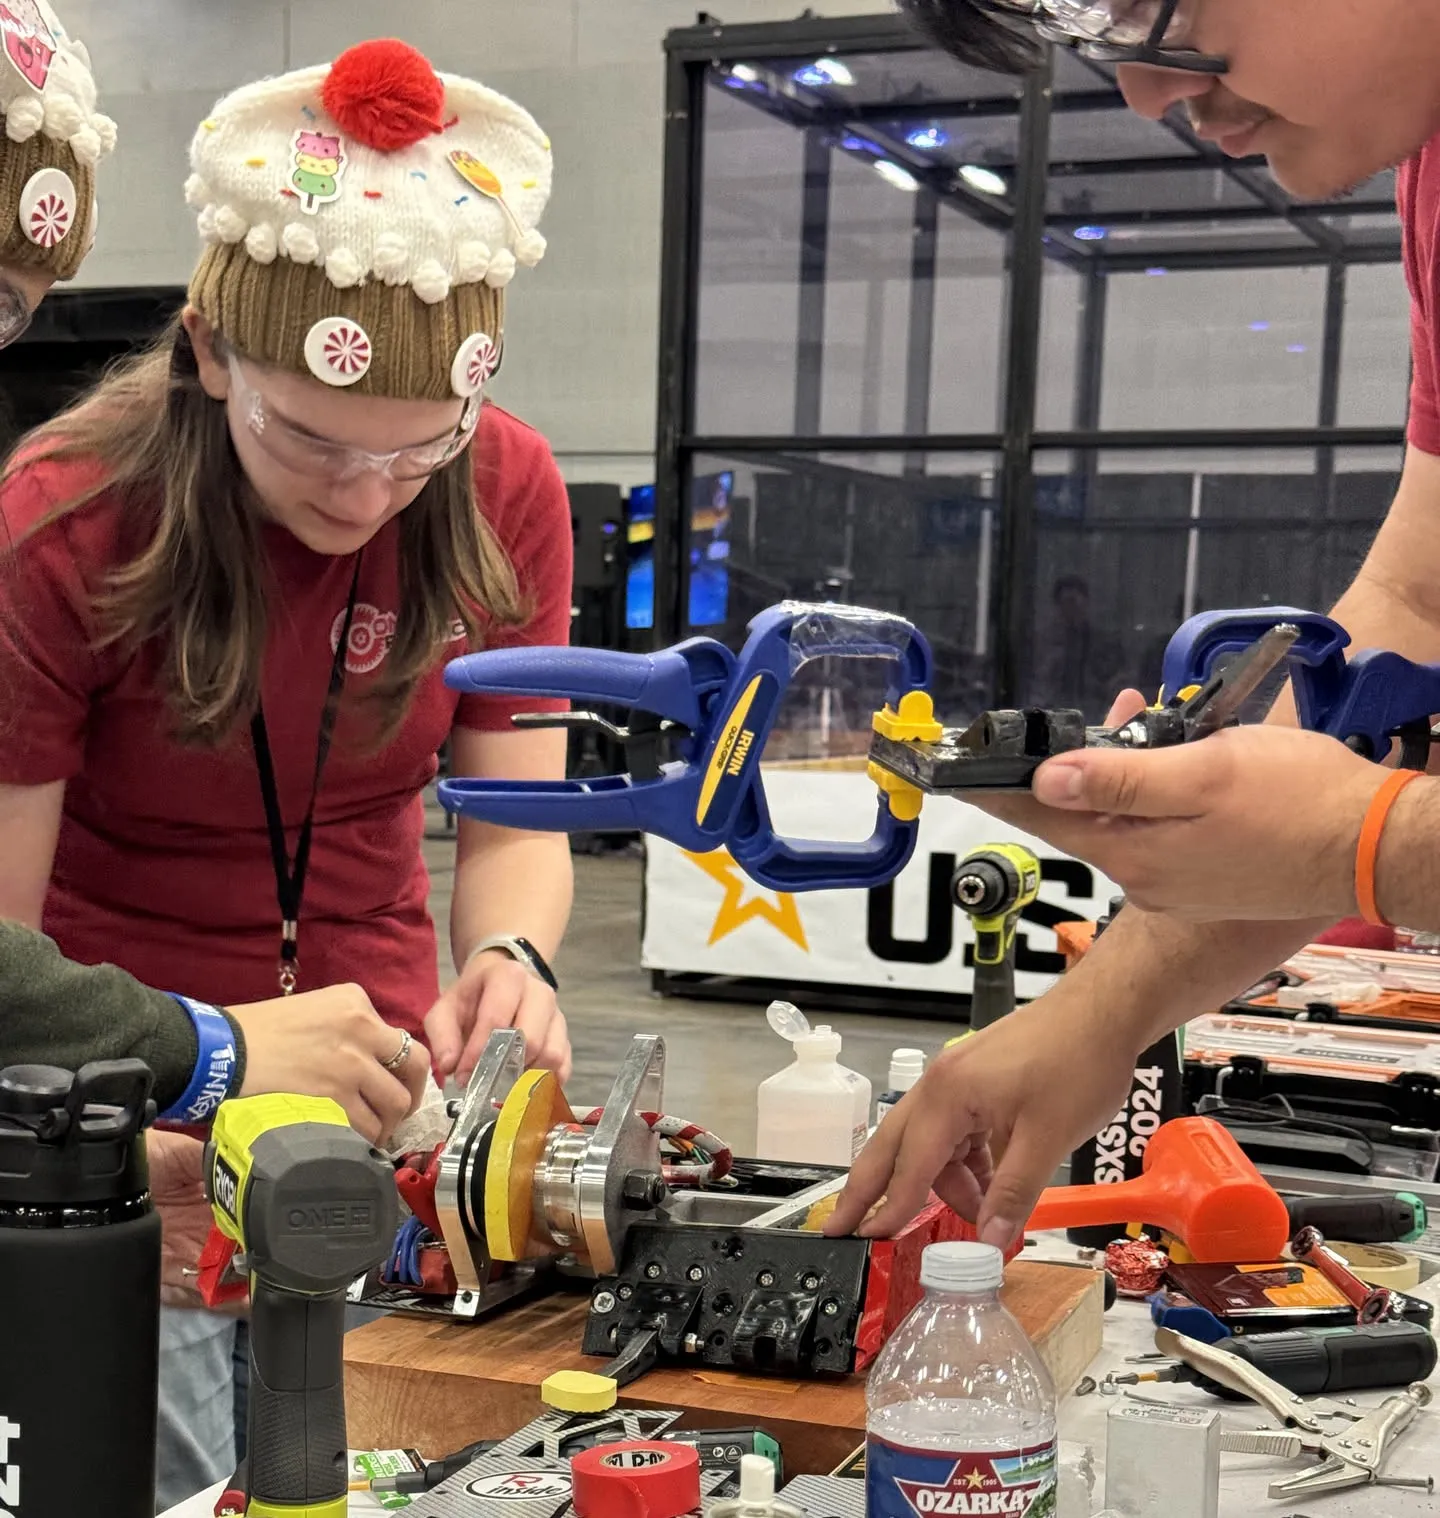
[(384, 94)]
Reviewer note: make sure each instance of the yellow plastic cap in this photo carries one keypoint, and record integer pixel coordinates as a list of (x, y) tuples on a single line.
[(914, 720), (578, 1391)]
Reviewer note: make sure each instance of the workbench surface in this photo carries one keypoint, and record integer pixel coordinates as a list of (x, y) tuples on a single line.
[(1244, 1478)]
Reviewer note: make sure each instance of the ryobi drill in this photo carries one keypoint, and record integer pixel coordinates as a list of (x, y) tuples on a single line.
[(993, 885), (311, 1206)]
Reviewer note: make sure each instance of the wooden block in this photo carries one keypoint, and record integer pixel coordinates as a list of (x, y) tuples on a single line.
[(437, 1386)]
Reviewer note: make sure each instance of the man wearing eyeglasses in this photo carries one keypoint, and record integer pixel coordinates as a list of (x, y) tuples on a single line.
[(1237, 850)]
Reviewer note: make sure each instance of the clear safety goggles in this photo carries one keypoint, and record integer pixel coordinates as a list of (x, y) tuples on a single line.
[(15, 313), (1157, 32), (295, 448)]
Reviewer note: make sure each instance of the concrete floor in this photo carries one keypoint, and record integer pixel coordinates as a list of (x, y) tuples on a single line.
[(718, 1052)]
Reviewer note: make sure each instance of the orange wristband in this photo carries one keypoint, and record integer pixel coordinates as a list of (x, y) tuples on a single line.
[(1370, 833)]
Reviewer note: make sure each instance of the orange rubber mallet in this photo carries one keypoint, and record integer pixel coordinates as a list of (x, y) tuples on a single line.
[(1198, 1184)]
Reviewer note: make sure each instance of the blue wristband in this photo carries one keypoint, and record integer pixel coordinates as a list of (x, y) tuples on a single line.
[(214, 1066)]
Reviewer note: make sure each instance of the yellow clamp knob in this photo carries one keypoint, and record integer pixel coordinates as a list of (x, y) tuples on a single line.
[(914, 721), (578, 1391), (905, 800)]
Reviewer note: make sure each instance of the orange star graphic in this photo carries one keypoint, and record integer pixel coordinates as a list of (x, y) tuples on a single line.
[(783, 914)]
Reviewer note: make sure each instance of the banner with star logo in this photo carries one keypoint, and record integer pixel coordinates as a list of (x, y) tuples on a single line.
[(703, 915)]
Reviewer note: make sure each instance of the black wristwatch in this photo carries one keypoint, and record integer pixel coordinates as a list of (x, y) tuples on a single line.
[(520, 949)]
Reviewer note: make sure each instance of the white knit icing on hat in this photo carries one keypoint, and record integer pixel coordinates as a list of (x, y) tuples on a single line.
[(46, 83), (273, 168)]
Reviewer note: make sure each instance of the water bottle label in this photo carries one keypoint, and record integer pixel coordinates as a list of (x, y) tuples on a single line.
[(914, 1483)]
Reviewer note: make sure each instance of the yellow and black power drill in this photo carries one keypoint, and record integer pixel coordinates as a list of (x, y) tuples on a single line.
[(993, 885), (311, 1206)]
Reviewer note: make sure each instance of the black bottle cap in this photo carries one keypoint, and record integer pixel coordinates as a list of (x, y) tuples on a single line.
[(74, 1140)]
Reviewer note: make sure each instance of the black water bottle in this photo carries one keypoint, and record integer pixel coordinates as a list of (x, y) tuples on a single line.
[(79, 1292)]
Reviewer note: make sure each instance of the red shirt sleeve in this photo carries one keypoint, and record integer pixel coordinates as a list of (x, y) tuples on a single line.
[(523, 497), (49, 666), (1418, 201)]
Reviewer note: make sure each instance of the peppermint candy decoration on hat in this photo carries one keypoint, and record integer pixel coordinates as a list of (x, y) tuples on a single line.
[(47, 207), (476, 359), (338, 351)]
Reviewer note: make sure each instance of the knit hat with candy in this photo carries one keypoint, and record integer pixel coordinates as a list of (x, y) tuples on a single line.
[(363, 218), (54, 138)]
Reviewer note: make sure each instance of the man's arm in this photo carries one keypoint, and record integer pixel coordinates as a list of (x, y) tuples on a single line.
[(1052, 1074)]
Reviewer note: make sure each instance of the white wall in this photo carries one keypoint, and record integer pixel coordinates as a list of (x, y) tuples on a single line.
[(580, 355)]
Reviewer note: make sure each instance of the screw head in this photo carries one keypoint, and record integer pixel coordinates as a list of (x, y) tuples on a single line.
[(625, 1293), (767, 1278), (831, 1308), (652, 1272), (695, 1274), (811, 1283), (602, 1301)]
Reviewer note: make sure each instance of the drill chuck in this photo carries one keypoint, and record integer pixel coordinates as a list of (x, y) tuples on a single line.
[(983, 886)]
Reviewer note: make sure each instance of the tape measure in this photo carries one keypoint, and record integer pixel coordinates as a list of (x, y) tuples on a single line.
[(642, 1479)]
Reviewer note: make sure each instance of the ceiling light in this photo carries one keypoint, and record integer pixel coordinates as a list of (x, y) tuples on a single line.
[(744, 73), (927, 139), (1259, 326), (1091, 234), (1156, 271), (987, 181), (823, 73), (893, 174), (1295, 348)]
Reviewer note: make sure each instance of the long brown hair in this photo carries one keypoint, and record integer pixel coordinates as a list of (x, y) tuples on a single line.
[(198, 577)]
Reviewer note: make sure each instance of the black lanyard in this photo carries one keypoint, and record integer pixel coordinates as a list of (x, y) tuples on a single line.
[(290, 878)]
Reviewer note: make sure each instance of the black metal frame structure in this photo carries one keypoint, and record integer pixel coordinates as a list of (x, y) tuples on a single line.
[(1315, 236)]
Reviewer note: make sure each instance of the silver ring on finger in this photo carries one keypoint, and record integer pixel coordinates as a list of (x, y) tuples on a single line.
[(400, 1055)]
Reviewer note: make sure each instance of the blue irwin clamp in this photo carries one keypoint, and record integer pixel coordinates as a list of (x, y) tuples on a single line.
[(715, 709), (1368, 702)]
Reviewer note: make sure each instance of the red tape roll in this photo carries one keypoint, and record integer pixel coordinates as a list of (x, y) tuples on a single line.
[(637, 1480)]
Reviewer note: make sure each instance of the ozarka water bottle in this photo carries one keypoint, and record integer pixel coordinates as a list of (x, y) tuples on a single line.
[(961, 1413), (79, 1293)]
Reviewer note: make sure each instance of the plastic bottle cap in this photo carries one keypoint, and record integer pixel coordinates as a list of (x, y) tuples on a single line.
[(757, 1478), (906, 1068), (786, 1019), (962, 1267), (822, 1043), (578, 1391)]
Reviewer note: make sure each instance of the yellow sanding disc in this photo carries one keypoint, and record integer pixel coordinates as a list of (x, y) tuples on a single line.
[(535, 1105)]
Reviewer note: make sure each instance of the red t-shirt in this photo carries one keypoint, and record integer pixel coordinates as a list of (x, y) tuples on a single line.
[(163, 864), (1418, 198)]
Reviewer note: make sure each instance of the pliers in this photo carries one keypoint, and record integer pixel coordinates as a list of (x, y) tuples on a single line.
[(1354, 1456)]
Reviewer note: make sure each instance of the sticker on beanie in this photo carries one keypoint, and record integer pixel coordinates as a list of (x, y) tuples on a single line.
[(29, 42), (480, 177), (319, 164), (47, 207), (476, 359), (338, 351)]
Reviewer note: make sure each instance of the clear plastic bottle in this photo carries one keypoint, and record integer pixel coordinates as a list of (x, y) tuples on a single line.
[(814, 1111), (961, 1412), (757, 1497)]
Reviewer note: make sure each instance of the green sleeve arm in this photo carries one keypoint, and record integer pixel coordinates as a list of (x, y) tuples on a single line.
[(56, 1012)]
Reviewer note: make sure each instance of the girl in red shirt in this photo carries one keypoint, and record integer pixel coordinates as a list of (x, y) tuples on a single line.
[(241, 563)]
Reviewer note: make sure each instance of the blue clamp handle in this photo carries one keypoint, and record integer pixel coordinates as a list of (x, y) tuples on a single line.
[(714, 795), (1364, 702)]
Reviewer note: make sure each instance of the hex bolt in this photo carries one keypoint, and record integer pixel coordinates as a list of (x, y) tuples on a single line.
[(652, 1272), (643, 1191), (602, 1301), (692, 1344)]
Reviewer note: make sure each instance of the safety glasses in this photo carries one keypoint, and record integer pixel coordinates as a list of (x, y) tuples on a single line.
[(1156, 32), (15, 313), (305, 452)]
